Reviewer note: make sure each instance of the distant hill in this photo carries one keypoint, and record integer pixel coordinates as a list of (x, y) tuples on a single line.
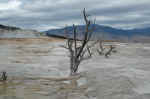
[(104, 32), (15, 32), (11, 28)]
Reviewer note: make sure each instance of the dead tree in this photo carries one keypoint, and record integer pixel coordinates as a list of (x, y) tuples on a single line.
[(3, 76), (109, 51), (79, 48), (101, 48)]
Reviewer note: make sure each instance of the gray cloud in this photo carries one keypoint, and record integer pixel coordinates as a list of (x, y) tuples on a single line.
[(46, 14)]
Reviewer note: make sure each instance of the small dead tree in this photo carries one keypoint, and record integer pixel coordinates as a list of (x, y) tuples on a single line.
[(101, 48), (109, 51), (3, 76), (79, 48), (104, 50)]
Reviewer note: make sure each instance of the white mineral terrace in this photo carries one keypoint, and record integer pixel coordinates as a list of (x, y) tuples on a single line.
[(124, 75)]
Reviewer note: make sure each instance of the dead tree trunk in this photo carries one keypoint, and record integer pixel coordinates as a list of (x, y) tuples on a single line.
[(78, 48)]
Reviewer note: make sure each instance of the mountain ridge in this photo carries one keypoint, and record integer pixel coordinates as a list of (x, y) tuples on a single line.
[(102, 31), (101, 28)]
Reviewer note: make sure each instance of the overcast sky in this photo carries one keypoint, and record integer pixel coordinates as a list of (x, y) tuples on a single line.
[(48, 14)]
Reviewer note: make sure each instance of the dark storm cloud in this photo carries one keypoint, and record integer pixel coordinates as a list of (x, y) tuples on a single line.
[(45, 14)]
